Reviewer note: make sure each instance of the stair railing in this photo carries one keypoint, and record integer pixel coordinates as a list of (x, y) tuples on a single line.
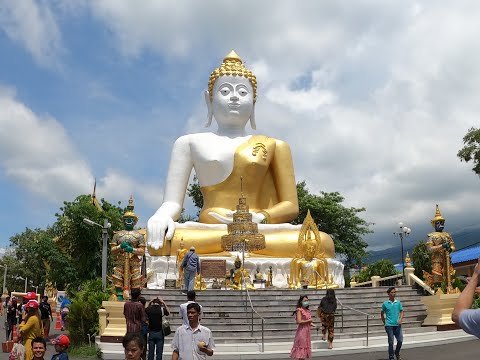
[(252, 310), (358, 311), (422, 284)]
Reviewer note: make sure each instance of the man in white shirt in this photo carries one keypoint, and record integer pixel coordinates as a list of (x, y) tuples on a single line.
[(191, 295), (192, 341)]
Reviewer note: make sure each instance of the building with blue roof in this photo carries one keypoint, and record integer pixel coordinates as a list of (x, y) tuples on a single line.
[(464, 260)]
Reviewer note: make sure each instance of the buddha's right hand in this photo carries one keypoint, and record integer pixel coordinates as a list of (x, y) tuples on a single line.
[(158, 228)]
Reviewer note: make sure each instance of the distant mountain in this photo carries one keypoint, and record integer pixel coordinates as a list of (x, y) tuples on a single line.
[(462, 238)]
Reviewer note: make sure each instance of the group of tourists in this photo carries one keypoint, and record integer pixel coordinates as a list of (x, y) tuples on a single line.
[(28, 323), (150, 326)]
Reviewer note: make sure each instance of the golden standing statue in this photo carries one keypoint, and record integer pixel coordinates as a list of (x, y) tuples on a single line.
[(128, 248), (440, 244)]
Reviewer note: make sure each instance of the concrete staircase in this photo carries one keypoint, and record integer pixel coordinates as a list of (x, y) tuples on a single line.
[(231, 322)]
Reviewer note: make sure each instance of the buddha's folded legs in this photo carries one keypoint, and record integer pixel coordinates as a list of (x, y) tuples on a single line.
[(281, 241)]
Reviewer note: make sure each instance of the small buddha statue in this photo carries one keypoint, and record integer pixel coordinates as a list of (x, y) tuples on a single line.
[(241, 277), (258, 275), (220, 158), (440, 244), (309, 269), (128, 248)]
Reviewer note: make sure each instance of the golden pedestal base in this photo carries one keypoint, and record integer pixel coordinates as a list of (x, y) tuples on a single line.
[(439, 309), (114, 327)]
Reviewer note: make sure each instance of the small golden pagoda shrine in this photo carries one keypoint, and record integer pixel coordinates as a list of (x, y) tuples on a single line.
[(243, 232)]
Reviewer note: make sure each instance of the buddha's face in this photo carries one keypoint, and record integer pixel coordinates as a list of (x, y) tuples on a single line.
[(232, 101)]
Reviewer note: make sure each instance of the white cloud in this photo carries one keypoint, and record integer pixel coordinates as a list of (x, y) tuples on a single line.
[(374, 98), (32, 24), (38, 155)]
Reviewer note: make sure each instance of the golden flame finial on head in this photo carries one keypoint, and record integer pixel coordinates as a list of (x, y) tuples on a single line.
[(438, 216), (232, 65), (129, 212)]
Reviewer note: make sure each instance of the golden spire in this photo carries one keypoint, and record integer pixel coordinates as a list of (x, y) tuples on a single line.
[(438, 216), (129, 212), (94, 197), (232, 65)]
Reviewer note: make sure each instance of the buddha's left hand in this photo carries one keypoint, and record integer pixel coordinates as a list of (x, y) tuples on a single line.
[(228, 218)]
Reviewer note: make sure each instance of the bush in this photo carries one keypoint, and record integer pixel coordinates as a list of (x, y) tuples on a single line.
[(83, 316), (382, 268)]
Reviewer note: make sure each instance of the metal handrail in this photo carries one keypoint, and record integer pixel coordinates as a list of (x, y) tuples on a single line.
[(254, 311), (358, 311)]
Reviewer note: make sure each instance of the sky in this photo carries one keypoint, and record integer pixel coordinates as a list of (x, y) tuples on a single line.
[(374, 98)]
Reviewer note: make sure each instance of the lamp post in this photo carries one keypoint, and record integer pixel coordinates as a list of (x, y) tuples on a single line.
[(105, 227), (404, 232), (4, 278)]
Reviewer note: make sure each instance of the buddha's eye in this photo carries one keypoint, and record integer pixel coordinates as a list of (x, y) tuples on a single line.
[(225, 91), (242, 92)]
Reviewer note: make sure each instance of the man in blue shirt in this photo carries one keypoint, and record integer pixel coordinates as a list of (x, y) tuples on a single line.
[(392, 317), (191, 266)]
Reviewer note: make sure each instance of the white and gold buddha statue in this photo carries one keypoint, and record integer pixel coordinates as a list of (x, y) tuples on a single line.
[(220, 158)]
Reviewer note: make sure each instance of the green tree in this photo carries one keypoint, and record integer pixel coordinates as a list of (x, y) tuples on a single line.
[(342, 223), (328, 212), (83, 315), (421, 258), (471, 149), (81, 243), (382, 268), (194, 192)]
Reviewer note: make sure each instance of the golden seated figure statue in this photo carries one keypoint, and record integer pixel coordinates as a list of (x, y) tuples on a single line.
[(220, 159), (310, 267), (241, 277)]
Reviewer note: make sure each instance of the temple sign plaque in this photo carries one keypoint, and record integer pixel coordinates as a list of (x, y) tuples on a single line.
[(213, 268)]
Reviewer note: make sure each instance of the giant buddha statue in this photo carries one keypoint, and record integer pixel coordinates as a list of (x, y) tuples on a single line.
[(220, 159)]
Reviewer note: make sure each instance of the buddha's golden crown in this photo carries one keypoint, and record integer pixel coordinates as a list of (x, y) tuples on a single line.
[(232, 65)]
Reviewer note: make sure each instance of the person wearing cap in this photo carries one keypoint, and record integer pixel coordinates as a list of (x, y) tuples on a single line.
[(191, 267), (61, 342), (31, 327)]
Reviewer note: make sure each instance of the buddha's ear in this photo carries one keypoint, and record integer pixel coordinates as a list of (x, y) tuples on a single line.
[(252, 119), (209, 107)]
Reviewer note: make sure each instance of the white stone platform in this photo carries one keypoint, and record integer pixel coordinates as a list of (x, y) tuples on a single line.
[(164, 267)]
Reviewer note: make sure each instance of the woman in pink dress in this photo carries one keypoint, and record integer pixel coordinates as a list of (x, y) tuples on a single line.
[(302, 344)]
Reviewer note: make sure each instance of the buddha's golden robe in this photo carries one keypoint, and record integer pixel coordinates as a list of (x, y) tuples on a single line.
[(266, 167)]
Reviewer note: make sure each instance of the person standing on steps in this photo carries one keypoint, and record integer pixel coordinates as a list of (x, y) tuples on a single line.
[(191, 267), (326, 314), (392, 318), (302, 344)]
